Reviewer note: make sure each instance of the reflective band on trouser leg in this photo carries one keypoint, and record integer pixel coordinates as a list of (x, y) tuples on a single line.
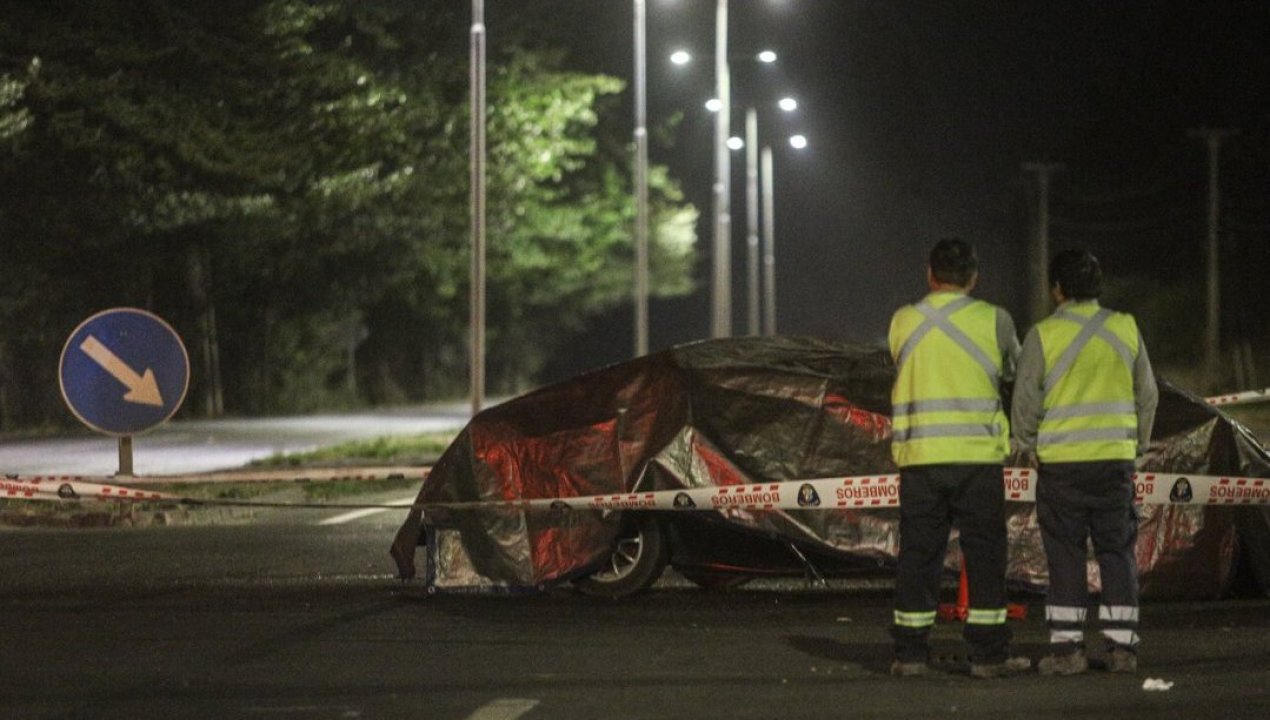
[(986, 617), (1062, 637), (1119, 624), (914, 619), (1066, 624), (1118, 613), (1064, 614)]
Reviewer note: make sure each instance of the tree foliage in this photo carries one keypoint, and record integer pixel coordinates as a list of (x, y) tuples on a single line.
[(287, 183)]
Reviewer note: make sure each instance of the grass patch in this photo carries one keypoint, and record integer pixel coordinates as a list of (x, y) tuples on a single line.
[(421, 449), (319, 492)]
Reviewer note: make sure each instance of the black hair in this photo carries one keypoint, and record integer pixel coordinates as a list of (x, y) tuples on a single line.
[(953, 261), (1077, 274)]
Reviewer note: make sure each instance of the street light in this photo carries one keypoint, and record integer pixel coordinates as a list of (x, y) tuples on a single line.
[(769, 237), (721, 299), (641, 181), (721, 296), (752, 178), (477, 209), (681, 57)]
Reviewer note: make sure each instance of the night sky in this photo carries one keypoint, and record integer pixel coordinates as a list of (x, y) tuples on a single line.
[(919, 116)]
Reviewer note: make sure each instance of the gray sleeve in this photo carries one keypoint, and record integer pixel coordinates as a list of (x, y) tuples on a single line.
[(1008, 341), (1029, 392), (1146, 396)]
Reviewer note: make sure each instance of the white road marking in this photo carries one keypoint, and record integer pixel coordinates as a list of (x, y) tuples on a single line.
[(503, 709), (364, 512)]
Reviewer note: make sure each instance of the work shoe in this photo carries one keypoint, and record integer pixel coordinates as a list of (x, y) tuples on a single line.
[(1009, 668), (1120, 660), (909, 669), (1072, 663)]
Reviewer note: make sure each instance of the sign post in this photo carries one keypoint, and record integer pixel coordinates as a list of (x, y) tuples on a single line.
[(124, 371)]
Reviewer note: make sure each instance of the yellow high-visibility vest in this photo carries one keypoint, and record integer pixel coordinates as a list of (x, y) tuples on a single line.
[(1088, 406), (946, 402)]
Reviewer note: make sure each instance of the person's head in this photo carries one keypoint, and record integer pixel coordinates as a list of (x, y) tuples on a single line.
[(953, 262), (1075, 275)]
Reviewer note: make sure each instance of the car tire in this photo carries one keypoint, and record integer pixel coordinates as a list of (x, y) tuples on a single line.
[(639, 556)]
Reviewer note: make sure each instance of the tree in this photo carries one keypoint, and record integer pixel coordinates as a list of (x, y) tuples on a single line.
[(286, 182)]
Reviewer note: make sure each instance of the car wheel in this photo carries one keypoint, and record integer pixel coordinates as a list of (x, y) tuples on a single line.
[(712, 580), (638, 559)]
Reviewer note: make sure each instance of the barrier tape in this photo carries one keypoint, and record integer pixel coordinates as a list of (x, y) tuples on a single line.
[(856, 492), (244, 476), (1240, 398)]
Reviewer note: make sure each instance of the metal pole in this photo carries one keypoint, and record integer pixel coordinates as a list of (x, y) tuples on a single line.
[(751, 219), (1212, 325), (477, 164), (721, 300), (769, 243), (125, 456), (1041, 241), (641, 181)]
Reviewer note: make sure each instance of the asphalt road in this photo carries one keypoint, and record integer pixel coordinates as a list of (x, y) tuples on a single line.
[(279, 616), (186, 446)]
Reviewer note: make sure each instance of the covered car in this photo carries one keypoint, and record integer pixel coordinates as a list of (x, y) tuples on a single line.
[(744, 411)]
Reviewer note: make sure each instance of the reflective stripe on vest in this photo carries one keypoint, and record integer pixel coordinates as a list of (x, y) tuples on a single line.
[(1095, 419), (929, 429), (938, 318)]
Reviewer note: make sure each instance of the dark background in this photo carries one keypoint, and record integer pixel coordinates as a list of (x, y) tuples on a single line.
[(919, 115)]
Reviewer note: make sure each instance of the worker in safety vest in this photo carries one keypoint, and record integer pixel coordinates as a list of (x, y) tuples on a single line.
[(1084, 402), (950, 437)]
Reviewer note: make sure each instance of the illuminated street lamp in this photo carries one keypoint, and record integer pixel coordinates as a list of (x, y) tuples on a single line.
[(752, 178), (721, 296), (769, 237)]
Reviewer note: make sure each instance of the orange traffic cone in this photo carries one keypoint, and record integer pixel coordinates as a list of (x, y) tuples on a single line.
[(959, 611)]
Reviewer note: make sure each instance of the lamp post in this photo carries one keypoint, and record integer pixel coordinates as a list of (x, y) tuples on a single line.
[(753, 177), (769, 244), (1041, 240), (1212, 324), (751, 220), (721, 297), (477, 209), (641, 180)]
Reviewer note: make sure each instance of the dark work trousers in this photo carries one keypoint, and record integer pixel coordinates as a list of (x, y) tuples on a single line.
[(933, 499), (1077, 503)]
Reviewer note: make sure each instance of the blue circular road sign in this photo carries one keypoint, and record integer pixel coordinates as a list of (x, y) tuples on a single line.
[(124, 371)]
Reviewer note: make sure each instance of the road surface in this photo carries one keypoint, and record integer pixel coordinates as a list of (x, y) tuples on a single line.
[(282, 616), (185, 446)]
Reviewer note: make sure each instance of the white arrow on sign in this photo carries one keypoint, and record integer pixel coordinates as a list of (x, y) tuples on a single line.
[(142, 389)]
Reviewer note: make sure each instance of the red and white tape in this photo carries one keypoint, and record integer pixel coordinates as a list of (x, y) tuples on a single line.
[(73, 488), (855, 492), (1240, 398), (105, 487)]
